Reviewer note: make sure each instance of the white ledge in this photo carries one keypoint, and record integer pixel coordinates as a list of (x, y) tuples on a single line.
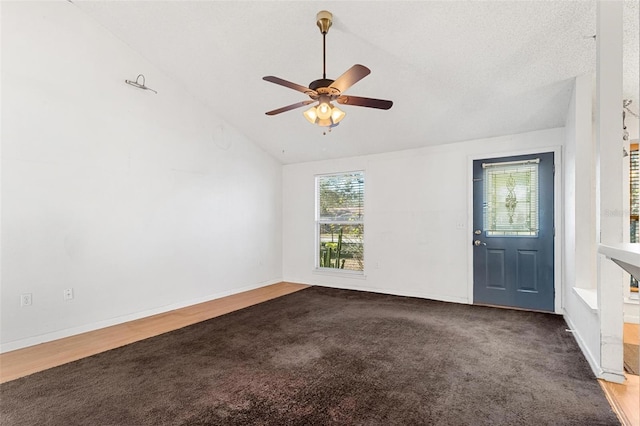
[(625, 255), (589, 296), (337, 272)]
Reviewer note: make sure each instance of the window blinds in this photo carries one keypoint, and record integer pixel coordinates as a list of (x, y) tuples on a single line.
[(341, 197), (635, 194)]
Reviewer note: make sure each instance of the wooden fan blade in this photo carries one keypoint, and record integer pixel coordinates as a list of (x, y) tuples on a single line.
[(365, 102), (290, 107), (350, 77), (288, 84)]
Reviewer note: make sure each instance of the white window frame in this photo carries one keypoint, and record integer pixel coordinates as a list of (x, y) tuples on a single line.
[(319, 223)]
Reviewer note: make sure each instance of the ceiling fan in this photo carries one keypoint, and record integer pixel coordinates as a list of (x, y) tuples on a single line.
[(325, 90)]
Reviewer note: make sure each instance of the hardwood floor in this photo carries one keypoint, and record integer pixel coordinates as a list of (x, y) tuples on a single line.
[(631, 333), (23, 362), (624, 398)]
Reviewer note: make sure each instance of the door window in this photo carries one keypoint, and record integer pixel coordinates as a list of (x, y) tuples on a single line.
[(511, 199)]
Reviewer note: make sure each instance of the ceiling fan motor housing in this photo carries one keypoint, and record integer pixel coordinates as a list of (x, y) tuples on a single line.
[(322, 87)]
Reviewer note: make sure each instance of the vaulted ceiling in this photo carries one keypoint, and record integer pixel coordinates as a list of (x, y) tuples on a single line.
[(456, 70)]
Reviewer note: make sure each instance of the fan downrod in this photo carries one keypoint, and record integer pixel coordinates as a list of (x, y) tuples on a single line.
[(324, 19)]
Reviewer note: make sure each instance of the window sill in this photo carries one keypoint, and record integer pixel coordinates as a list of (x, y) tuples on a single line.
[(340, 273), (589, 296), (632, 300)]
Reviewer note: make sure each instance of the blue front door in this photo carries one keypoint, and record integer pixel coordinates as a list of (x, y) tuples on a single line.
[(513, 231)]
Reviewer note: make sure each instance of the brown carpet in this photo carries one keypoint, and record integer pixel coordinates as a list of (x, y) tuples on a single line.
[(323, 356), (631, 359)]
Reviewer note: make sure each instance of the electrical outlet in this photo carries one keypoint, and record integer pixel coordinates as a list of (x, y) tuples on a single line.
[(67, 293), (25, 299)]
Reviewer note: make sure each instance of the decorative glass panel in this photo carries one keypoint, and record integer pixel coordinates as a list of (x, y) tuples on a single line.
[(511, 199)]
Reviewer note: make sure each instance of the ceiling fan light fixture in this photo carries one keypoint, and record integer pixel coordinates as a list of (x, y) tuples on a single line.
[(311, 115), (324, 115), (337, 115), (324, 110), (324, 123)]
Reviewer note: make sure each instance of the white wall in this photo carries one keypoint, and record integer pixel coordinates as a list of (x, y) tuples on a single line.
[(139, 202), (580, 306), (613, 224), (580, 191), (414, 201)]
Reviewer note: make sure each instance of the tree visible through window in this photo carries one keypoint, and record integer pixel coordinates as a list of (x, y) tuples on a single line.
[(340, 221)]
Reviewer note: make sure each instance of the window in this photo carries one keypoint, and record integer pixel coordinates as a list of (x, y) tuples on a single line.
[(634, 202), (340, 221), (511, 194)]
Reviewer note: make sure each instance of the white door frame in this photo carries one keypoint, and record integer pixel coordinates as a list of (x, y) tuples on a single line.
[(558, 209)]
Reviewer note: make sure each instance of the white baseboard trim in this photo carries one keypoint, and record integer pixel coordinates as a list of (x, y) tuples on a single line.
[(593, 362), (61, 334), (612, 377)]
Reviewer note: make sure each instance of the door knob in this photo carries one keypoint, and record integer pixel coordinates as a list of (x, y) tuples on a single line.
[(478, 242), (478, 231)]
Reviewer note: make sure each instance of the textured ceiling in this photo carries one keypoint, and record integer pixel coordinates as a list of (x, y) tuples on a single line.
[(455, 70)]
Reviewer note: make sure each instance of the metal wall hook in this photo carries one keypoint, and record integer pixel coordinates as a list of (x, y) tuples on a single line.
[(140, 85)]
